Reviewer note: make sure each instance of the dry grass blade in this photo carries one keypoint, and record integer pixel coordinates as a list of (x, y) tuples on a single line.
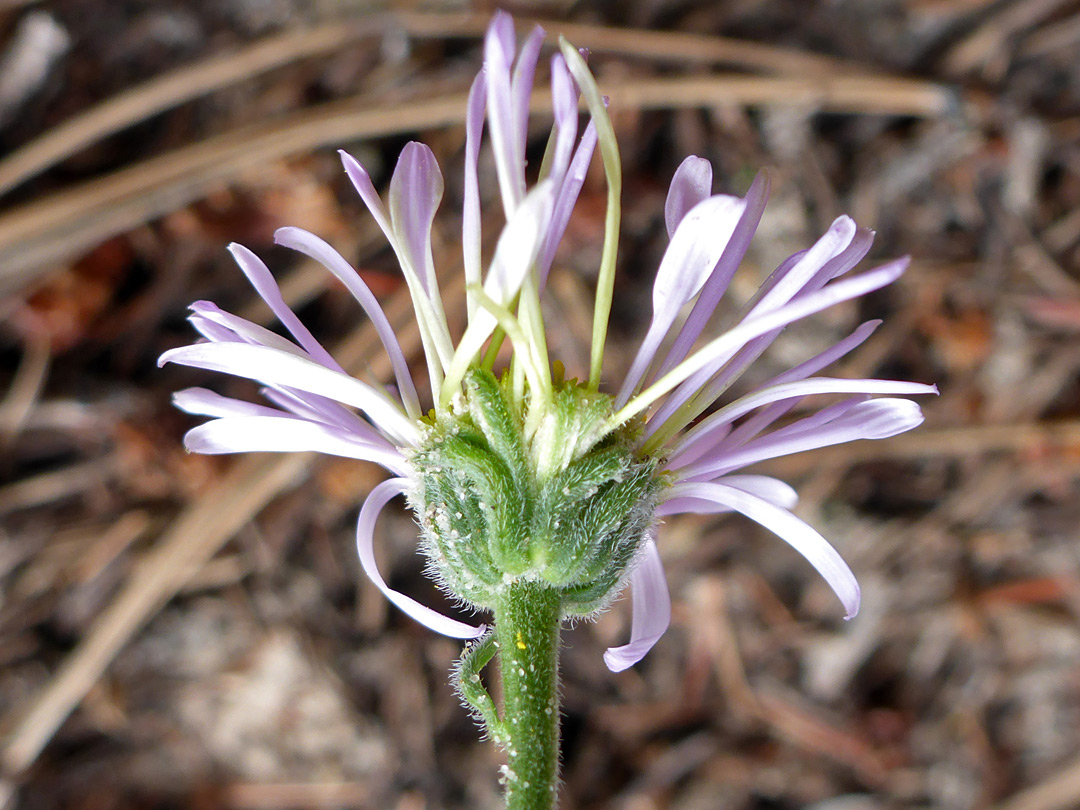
[(947, 9), (313, 796), (59, 484), (1054, 36), (25, 389), (857, 95), (987, 42), (158, 95)]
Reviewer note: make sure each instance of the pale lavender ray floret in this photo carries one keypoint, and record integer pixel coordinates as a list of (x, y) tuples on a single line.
[(651, 610), (701, 442), (472, 258), (702, 459), (312, 246), (692, 174), (696, 246), (696, 441)]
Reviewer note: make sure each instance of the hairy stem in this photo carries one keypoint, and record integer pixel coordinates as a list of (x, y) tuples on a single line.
[(527, 625)]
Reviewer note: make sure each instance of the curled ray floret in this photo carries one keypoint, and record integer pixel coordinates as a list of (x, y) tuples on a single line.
[(516, 474)]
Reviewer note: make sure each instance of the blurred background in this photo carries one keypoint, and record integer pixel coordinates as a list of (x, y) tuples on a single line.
[(183, 631)]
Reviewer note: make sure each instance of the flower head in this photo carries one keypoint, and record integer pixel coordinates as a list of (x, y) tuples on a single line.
[(516, 474)]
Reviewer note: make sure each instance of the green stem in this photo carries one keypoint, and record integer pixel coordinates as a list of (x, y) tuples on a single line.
[(527, 625)]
